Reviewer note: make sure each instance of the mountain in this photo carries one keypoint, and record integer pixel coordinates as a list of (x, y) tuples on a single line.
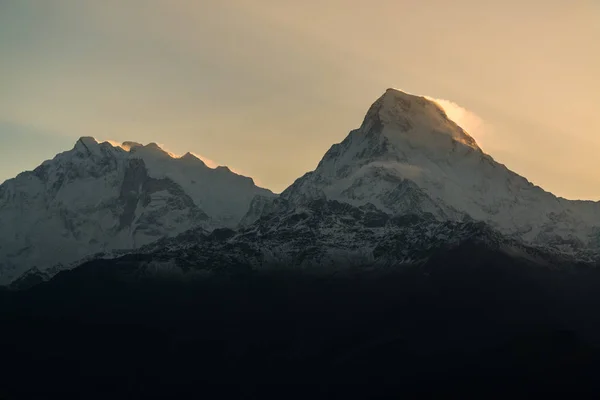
[(409, 262), (407, 156), (324, 238), (406, 160), (406, 185), (98, 197)]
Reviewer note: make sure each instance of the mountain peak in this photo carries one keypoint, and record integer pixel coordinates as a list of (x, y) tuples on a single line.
[(151, 149), (189, 156), (153, 145), (397, 93), (101, 196), (192, 159), (86, 143), (416, 118), (87, 146), (394, 106)]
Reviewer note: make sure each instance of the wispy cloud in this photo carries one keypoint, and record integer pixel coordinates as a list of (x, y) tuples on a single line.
[(115, 143), (472, 123), (408, 171), (210, 163)]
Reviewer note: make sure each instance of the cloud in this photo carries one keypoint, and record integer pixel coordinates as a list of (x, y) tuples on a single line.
[(209, 163), (472, 123), (164, 148), (404, 170), (115, 143)]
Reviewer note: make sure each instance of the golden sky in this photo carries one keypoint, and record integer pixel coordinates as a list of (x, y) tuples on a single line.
[(266, 86)]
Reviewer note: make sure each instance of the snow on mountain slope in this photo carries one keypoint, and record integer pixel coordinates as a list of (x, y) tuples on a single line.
[(408, 156), (222, 194), (98, 197), (322, 237)]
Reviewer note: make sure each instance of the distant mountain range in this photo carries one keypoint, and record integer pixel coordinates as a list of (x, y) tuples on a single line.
[(406, 162)]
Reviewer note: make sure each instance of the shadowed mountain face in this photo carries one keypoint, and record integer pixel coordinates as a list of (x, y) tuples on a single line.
[(469, 319), (443, 308)]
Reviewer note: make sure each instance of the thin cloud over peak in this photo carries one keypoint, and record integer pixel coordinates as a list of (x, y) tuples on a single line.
[(209, 163), (472, 123)]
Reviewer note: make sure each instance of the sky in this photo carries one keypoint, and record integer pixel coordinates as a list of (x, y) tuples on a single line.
[(267, 86)]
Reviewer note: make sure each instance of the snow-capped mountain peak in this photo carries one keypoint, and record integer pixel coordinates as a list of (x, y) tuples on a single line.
[(101, 196), (189, 156), (86, 143), (90, 147), (408, 156), (414, 119), (150, 150)]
